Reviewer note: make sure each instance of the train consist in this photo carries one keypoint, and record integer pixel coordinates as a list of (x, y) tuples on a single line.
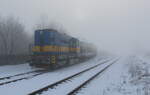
[(53, 49)]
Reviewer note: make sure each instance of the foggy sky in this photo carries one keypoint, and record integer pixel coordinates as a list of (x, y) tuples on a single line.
[(120, 26)]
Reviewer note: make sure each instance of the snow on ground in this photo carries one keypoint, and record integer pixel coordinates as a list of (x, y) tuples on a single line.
[(129, 76), (14, 69), (26, 86), (118, 81), (145, 58)]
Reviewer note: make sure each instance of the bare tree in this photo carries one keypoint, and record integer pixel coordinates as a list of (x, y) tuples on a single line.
[(3, 42), (14, 40), (12, 35)]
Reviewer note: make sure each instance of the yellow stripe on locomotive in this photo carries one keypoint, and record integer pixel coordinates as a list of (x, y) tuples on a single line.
[(36, 49), (50, 48)]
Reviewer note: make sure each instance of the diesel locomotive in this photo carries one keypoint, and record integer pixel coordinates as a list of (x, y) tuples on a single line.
[(54, 49)]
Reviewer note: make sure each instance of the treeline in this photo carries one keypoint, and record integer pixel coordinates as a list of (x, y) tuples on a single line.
[(14, 40)]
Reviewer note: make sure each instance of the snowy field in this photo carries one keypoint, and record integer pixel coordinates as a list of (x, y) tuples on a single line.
[(124, 78), (14, 69), (128, 76)]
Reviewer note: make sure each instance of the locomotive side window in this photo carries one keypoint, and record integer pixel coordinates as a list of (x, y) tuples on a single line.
[(52, 38), (41, 38)]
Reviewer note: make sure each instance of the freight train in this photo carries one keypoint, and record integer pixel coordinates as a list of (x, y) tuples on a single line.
[(53, 49)]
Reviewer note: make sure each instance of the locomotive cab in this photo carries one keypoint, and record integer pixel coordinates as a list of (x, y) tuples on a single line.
[(43, 50)]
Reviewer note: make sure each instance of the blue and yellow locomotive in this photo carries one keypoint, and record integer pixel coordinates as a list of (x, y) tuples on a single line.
[(53, 49)]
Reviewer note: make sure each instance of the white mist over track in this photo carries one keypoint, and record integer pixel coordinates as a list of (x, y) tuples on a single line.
[(120, 26)]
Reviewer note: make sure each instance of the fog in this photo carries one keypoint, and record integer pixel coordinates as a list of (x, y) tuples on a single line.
[(118, 26)]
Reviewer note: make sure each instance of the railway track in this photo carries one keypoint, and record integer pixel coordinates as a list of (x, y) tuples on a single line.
[(35, 73), (56, 84), (74, 91), (12, 76)]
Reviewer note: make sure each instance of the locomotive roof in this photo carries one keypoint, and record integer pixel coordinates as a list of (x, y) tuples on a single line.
[(65, 35), (47, 30)]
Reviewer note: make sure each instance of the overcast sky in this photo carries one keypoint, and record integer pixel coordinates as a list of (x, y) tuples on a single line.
[(119, 26)]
